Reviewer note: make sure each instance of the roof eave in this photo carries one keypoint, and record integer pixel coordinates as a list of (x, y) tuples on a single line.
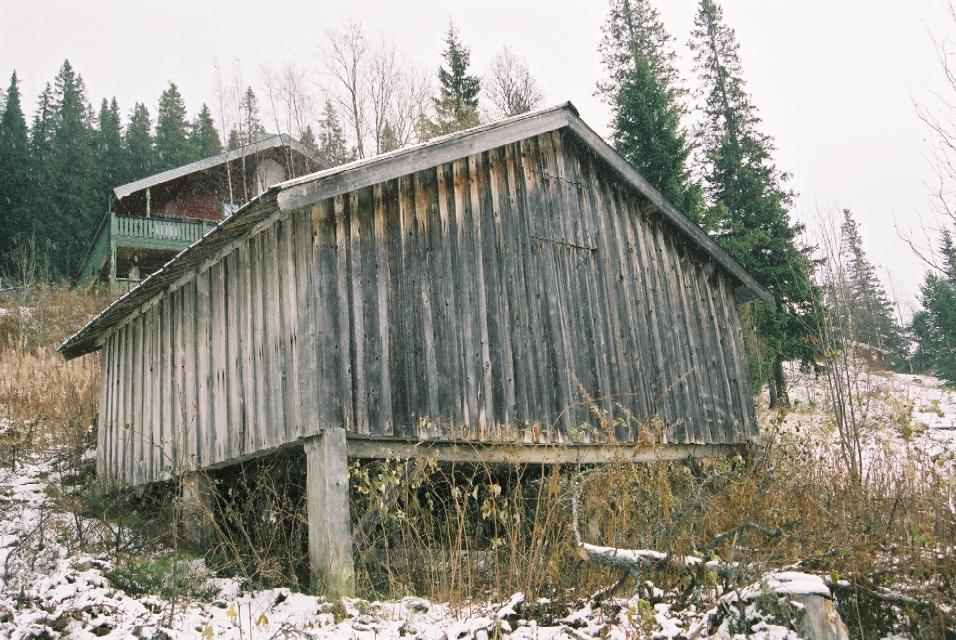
[(231, 155)]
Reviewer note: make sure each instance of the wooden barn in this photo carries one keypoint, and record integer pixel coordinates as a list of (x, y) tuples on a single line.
[(515, 292)]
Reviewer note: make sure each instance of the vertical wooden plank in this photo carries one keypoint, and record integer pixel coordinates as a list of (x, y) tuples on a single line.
[(724, 332), (136, 415), (191, 377), (411, 322), (748, 420), (306, 321), (580, 259), (594, 304), (423, 222), (167, 423), (344, 305), (122, 413), (399, 347), (293, 404), (486, 411), (713, 355), (503, 261), (233, 382), (514, 305), (205, 435), (219, 337), (365, 255), (526, 291), (116, 402), (179, 384), (700, 384), (643, 367), (499, 336), (247, 347), (645, 256), (260, 367), (448, 333), (357, 346), (276, 382), (103, 416), (329, 382), (554, 243), (609, 259), (383, 282), (674, 405), (467, 307), (284, 258), (146, 397)]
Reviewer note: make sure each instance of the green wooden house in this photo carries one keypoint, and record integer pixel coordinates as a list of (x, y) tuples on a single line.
[(151, 220)]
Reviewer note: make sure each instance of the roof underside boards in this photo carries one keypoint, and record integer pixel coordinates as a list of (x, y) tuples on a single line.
[(307, 190), (278, 140)]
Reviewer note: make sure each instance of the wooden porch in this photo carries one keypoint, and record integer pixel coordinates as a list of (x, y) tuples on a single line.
[(153, 240)]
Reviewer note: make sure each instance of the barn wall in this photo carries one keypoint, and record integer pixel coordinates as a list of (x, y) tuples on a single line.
[(521, 294), (210, 372)]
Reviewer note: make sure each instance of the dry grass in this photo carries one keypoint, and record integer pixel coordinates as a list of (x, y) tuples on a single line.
[(47, 399), (475, 532)]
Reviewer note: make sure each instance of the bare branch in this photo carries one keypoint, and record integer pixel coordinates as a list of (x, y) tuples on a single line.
[(510, 86)]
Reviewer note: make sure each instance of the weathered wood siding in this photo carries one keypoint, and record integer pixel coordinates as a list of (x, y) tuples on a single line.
[(521, 294), (219, 368)]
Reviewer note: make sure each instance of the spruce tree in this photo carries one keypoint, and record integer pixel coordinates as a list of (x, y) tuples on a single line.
[(41, 152), (203, 137), (172, 144), (389, 139), (456, 106), (643, 90), (871, 319), (749, 204), (15, 164), (235, 140), (935, 327), (249, 128), (307, 139), (111, 157), (948, 251), (77, 203), (333, 148), (141, 157)]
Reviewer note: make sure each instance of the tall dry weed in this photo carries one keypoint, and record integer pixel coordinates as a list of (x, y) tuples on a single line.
[(48, 399)]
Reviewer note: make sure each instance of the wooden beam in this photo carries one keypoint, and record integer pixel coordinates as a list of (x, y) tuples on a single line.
[(327, 506), (197, 509), (516, 453)]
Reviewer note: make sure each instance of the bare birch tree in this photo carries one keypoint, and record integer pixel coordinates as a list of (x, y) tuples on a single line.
[(346, 55), (398, 94), (509, 85)]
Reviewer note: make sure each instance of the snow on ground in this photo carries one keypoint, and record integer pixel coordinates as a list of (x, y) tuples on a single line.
[(51, 589), (903, 415)]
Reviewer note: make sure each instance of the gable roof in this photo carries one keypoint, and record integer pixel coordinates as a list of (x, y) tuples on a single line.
[(309, 189), (261, 145)]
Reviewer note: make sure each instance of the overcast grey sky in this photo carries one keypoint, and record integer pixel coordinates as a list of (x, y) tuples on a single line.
[(835, 80)]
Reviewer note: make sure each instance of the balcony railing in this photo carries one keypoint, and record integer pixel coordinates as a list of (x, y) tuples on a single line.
[(139, 232), (162, 229)]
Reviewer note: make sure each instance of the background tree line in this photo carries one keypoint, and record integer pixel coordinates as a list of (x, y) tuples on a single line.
[(58, 170)]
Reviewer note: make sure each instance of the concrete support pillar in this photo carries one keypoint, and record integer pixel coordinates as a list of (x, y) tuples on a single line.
[(327, 503), (197, 509)]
